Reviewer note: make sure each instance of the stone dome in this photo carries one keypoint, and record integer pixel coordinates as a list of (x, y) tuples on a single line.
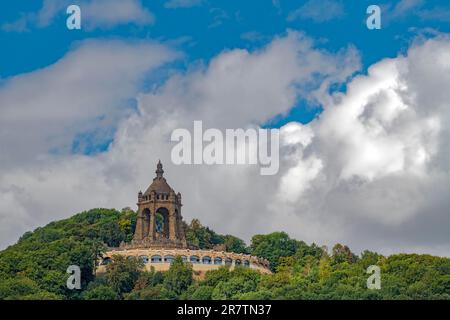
[(159, 184)]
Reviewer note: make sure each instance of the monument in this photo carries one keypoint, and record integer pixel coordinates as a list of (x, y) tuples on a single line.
[(159, 222), (160, 236)]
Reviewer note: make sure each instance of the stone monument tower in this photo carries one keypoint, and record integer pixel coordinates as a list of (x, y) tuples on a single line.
[(159, 222)]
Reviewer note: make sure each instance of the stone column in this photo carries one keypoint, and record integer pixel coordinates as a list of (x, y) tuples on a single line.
[(145, 223), (152, 225), (152, 232), (172, 225), (139, 234), (180, 229)]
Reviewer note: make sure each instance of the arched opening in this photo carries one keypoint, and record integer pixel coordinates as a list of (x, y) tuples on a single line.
[(162, 222), (194, 259), (228, 261), (169, 259), (144, 259), (105, 261), (246, 263), (218, 260), (237, 262), (156, 259), (206, 260)]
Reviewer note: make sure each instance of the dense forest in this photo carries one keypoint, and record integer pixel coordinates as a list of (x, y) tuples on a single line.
[(35, 267)]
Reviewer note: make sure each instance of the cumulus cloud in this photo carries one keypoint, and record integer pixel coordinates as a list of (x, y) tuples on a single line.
[(103, 14), (371, 171), (383, 145), (88, 89)]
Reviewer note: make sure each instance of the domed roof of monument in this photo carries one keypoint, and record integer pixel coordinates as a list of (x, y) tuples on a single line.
[(159, 184)]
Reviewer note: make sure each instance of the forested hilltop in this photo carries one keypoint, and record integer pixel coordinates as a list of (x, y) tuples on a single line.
[(35, 267)]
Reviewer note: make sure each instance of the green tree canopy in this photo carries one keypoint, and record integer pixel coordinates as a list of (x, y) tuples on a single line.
[(179, 277), (273, 246), (35, 267)]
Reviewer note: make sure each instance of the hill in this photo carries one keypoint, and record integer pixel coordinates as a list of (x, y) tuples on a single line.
[(35, 267)]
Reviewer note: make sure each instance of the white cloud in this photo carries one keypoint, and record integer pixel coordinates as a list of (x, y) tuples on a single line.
[(318, 11), (218, 17), (382, 144), (88, 89), (103, 14), (107, 13), (378, 132), (174, 4), (19, 25), (253, 36), (404, 7), (419, 8), (371, 171), (435, 14)]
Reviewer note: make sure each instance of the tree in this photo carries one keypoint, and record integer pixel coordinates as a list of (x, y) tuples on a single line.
[(241, 280), (14, 288), (230, 289), (122, 273), (342, 253), (369, 258), (202, 293), (147, 293), (100, 292), (234, 244), (213, 277), (149, 279), (273, 246), (199, 235), (113, 234), (205, 238), (179, 277), (313, 250), (324, 268)]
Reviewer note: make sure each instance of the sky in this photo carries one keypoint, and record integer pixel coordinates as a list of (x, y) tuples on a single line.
[(363, 114)]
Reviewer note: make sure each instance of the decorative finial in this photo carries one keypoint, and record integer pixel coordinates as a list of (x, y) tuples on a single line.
[(159, 169)]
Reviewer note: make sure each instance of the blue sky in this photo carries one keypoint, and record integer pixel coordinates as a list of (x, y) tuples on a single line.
[(203, 29), (213, 26), (210, 27)]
